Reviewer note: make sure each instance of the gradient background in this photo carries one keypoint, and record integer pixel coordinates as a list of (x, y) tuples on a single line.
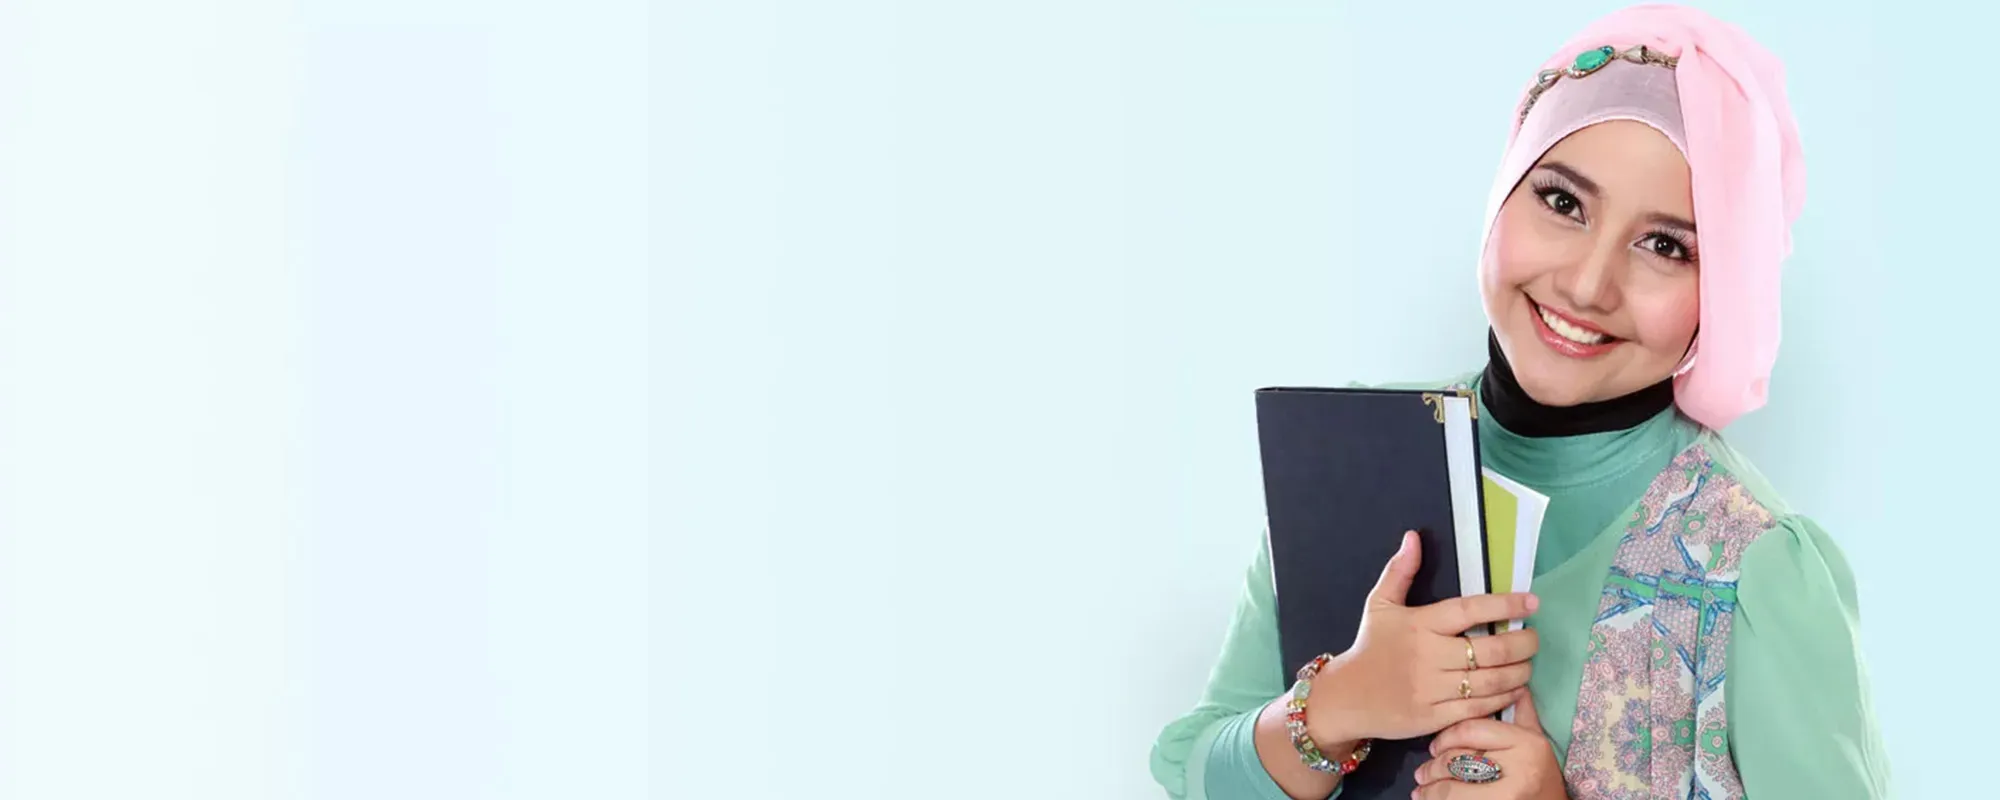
[(453, 399), (966, 303), (323, 400)]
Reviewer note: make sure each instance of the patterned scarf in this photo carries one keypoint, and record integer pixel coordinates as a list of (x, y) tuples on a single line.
[(1650, 717)]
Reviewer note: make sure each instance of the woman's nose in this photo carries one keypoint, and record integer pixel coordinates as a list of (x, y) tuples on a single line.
[(1591, 282)]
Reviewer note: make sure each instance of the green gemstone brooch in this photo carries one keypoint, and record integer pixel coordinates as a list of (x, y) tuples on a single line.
[(1590, 61)]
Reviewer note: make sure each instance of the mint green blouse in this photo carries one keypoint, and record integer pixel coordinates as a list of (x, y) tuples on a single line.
[(1800, 724)]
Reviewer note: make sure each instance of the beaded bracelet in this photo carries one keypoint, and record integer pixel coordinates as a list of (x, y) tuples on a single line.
[(1295, 723)]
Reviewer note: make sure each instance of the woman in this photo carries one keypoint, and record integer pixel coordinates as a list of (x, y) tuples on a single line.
[(1688, 635)]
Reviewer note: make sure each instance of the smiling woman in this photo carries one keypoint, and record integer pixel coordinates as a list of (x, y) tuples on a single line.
[(1690, 634), (1593, 258)]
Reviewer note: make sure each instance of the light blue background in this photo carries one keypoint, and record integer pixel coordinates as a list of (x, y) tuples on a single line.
[(323, 400), (358, 426), (965, 303)]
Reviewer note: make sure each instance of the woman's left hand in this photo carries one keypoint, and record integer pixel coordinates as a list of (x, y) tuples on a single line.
[(1527, 760)]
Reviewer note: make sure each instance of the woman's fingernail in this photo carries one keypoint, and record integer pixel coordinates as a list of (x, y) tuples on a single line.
[(1533, 603)]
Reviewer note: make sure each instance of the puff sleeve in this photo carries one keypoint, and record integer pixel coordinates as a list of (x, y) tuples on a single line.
[(1800, 721)]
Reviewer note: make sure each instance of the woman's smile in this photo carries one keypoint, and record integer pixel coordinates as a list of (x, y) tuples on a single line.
[(1568, 335)]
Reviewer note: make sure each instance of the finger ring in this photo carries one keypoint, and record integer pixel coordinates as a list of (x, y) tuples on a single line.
[(1474, 768), (1471, 662), (1465, 686)]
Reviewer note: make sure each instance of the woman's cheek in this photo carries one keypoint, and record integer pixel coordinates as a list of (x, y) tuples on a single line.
[(1513, 251), (1670, 319)]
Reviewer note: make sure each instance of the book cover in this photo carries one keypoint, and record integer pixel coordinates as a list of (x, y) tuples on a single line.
[(1346, 472)]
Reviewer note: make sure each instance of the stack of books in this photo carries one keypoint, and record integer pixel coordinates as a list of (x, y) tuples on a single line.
[(1346, 472)]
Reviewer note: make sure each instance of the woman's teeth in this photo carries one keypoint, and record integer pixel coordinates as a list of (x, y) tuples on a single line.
[(1570, 332)]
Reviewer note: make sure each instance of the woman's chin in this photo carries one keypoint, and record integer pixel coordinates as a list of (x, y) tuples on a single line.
[(1564, 400), (1551, 391)]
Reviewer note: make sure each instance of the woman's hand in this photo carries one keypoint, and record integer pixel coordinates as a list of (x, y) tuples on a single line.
[(1528, 769), (1404, 675)]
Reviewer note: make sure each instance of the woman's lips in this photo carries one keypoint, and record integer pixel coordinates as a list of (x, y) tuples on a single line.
[(1565, 341)]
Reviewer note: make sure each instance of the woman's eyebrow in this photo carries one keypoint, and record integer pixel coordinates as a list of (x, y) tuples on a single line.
[(1588, 186), (1670, 221)]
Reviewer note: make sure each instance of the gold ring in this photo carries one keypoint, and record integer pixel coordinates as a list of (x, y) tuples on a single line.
[(1465, 686), (1471, 662)]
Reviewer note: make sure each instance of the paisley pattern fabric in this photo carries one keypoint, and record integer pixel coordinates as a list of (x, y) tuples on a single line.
[(1650, 721)]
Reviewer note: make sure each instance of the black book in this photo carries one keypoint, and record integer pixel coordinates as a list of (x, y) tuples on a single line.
[(1346, 472)]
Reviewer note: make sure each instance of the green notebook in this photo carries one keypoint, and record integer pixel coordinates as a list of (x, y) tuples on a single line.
[(1513, 527)]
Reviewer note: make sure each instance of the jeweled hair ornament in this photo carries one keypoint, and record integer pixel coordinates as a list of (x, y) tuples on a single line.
[(1590, 61)]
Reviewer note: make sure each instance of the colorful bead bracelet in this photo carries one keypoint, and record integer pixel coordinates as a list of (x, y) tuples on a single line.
[(1295, 724)]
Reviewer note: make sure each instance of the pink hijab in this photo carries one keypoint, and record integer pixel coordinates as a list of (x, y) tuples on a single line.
[(1742, 146)]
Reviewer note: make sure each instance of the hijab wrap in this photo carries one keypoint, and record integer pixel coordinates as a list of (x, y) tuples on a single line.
[(1722, 103)]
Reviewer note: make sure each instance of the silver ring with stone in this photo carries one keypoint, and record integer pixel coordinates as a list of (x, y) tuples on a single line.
[(1473, 768)]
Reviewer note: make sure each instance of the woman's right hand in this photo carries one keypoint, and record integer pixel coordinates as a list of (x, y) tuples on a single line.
[(1402, 677)]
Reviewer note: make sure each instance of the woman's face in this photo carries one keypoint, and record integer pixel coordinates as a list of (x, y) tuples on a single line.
[(1591, 280)]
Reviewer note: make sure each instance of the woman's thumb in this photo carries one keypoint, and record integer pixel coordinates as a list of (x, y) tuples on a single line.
[(1394, 585)]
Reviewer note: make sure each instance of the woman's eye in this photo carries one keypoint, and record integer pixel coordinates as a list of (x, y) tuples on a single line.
[(1666, 247), (1561, 202)]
